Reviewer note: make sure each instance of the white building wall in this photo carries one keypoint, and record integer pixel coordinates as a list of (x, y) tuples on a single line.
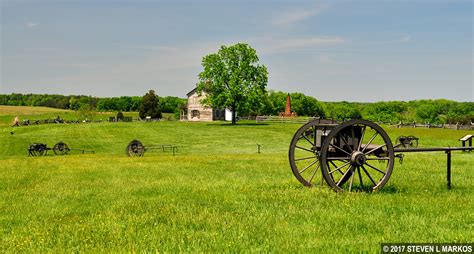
[(228, 114)]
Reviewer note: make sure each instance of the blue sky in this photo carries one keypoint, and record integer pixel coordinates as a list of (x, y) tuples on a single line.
[(332, 50)]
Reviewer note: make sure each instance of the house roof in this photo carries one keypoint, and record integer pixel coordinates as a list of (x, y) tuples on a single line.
[(191, 92)]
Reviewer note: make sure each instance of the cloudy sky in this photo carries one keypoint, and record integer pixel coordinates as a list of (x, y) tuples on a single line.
[(332, 50)]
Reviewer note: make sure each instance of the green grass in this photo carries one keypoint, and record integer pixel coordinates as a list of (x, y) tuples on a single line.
[(8, 114), (217, 194)]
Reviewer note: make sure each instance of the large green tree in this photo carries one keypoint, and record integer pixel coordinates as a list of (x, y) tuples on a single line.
[(232, 78), (150, 105)]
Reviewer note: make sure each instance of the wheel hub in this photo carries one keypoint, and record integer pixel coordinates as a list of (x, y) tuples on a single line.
[(358, 158)]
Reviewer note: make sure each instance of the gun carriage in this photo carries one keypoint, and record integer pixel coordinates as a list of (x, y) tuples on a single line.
[(353, 149), (60, 148), (136, 148), (407, 141)]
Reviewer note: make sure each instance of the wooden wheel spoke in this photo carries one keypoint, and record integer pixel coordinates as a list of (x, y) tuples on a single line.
[(347, 143), (352, 179), (342, 173), (339, 168), (380, 171), (340, 149), (338, 158), (305, 158), (305, 149), (343, 177), (370, 141), (378, 147), (311, 164), (361, 139), (367, 173), (353, 138), (360, 176), (307, 139), (316, 170)]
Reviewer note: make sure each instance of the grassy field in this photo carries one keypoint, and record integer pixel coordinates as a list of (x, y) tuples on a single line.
[(8, 114), (217, 194)]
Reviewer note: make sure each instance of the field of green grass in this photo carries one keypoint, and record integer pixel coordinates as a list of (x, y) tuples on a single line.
[(8, 114), (217, 194)]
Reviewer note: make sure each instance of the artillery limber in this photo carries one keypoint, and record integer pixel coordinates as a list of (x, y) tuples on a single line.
[(60, 148), (136, 148), (354, 149)]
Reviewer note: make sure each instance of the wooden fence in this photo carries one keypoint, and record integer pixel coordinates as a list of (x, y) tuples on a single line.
[(280, 119)]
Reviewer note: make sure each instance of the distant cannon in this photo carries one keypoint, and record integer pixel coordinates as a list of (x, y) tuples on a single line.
[(136, 149), (407, 141), (60, 148)]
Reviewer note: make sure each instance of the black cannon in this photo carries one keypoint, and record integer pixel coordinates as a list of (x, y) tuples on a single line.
[(407, 141), (60, 148), (353, 149), (136, 149)]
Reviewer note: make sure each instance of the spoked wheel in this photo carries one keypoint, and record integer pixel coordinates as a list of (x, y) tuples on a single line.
[(37, 149), (357, 149), (61, 148), (413, 141), (304, 152), (400, 141), (135, 149)]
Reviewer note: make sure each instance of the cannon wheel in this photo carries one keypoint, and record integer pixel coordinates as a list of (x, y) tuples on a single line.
[(413, 141), (37, 150), (400, 141), (135, 149), (357, 149), (61, 148), (304, 153)]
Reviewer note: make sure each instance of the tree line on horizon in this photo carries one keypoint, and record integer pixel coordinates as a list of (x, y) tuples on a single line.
[(439, 111)]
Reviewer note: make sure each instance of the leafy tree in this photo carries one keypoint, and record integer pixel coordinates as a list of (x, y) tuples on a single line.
[(233, 79), (119, 116), (135, 103), (170, 104), (384, 111), (150, 105), (342, 110), (305, 105), (86, 112)]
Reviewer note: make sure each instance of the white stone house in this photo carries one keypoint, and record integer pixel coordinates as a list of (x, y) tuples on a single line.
[(195, 111)]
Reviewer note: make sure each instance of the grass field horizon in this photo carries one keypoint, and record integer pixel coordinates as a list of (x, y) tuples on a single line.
[(217, 194)]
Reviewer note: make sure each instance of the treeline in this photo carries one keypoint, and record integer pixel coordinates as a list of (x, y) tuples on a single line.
[(168, 104), (439, 111), (421, 111)]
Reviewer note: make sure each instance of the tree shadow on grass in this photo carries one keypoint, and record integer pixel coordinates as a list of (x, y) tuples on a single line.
[(391, 189)]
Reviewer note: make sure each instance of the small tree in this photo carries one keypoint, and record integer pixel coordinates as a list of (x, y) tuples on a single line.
[(119, 116), (233, 79), (150, 105), (86, 112)]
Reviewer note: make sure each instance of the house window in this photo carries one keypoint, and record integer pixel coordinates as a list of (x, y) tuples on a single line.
[(195, 114)]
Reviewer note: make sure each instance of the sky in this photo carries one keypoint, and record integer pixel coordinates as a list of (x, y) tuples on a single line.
[(361, 51)]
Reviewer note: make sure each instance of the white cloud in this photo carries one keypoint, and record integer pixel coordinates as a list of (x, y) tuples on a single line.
[(271, 45), (176, 65), (400, 39), (295, 16), (31, 24)]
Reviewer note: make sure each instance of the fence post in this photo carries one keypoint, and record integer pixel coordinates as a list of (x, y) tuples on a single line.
[(448, 169)]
